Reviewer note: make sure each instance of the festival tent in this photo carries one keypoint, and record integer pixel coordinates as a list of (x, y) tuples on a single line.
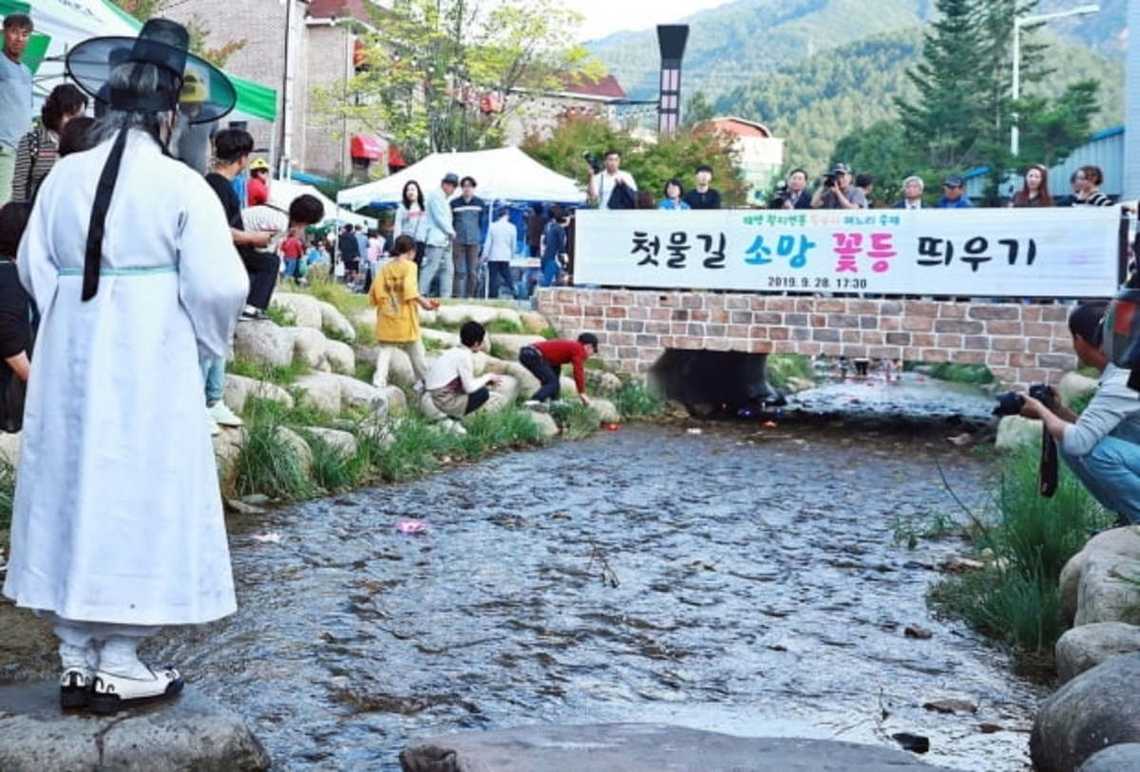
[(282, 193), (503, 174), (61, 24)]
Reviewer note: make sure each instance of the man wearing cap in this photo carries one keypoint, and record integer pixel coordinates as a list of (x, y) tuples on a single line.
[(954, 194), (837, 192), (117, 523), (440, 234), (15, 96), (258, 185)]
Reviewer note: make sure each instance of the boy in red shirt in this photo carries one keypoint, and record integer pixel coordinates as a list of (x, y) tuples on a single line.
[(545, 360), (292, 250)]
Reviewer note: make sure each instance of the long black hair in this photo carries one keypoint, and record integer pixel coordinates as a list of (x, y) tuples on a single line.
[(419, 194), (1087, 321)]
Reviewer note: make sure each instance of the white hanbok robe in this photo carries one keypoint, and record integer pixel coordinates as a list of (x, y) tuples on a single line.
[(118, 515)]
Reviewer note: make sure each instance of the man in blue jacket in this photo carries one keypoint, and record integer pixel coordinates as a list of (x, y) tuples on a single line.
[(954, 194), (469, 214), (438, 238)]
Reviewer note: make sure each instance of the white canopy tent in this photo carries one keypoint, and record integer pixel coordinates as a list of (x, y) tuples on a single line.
[(282, 193), (65, 23), (503, 174)]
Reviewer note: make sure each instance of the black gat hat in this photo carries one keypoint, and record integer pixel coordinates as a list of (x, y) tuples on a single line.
[(199, 91)]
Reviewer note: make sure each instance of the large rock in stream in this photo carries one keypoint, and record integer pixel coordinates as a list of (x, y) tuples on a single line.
[(1087, 646), (1096, 709), (1116, 758), (189, 733), (642, 748), (1095, 584)]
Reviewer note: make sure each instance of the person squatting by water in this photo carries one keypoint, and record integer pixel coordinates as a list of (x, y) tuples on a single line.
[(451, 384), (117, 525), (1102, 445), (545, 359)]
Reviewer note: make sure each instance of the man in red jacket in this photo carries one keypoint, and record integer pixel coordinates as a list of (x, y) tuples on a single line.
[(545, 360)]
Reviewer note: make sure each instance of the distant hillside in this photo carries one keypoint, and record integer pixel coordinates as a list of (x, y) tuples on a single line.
[(731, 45), (814, 103)]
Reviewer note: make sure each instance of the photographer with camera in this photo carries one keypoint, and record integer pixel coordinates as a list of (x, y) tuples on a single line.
[(837, 192), (610, 187), (792, 192), (1102, 445)]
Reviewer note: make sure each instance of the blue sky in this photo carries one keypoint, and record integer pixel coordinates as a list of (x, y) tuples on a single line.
[(606, 16)]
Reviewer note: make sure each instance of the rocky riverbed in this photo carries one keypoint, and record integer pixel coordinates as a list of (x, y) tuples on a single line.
[(742, 580)]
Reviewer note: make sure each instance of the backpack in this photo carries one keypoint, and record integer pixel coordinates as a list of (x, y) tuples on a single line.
[(1122, 332), (12, 389)]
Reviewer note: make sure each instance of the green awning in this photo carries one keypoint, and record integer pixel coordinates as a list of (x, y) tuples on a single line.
[(254, 99)]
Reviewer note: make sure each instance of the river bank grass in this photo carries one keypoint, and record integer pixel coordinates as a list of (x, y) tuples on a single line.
[(271, 463), (1024, 541)]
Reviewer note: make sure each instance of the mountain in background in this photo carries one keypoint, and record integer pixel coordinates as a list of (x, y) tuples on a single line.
[(735, 43), (814, 103), (816, 70)]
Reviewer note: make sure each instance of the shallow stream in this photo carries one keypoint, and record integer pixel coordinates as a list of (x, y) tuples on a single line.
[(740, 579)]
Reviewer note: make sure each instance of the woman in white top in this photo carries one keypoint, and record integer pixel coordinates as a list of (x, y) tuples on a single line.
[(411, 217)]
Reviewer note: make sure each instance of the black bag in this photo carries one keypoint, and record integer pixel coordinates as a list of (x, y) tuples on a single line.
[(622, 197), (12, 389)]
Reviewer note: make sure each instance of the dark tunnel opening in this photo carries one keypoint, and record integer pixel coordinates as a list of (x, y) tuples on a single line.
[(710, 383)]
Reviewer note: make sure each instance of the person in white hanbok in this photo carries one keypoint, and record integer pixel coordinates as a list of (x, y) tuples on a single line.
[(118, 526)]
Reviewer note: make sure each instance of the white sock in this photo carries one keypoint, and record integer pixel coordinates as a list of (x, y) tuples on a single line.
[(120, 657), (76, 645)]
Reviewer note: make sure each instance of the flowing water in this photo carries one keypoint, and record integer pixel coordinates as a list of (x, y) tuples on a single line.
[(742, 579)]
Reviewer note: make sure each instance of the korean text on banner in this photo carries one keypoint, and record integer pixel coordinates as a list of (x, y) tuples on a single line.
[(978, 253)]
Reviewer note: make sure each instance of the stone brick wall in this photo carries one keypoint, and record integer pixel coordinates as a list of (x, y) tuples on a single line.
[(1021, 344)]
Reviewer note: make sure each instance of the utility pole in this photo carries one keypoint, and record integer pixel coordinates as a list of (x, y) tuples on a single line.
[(1132, 105)]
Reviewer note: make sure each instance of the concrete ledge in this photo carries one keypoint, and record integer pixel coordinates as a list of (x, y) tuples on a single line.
[(190, 733), (642, 748)]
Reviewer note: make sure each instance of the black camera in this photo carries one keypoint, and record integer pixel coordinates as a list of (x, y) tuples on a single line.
[(829, 180), (592, 160), (779, 196), (1010, 403)]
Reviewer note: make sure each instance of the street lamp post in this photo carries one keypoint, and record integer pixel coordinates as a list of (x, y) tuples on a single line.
[(1025, 21)]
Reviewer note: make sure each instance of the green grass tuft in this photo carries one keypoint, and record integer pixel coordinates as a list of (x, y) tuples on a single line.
[(635, 400), (282, 376), (333, 469), (282, 317), (1017, 598), (575, 419), (266, 463), (7, 494), (343, 299), (1081, 402), (488, 432), (781, 368)]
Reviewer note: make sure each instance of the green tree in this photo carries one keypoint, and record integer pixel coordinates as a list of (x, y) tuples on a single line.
[(697, 109), (1054, 128), (942, 120), (448, 74), (883, 151), (652, 164), (964, 107)]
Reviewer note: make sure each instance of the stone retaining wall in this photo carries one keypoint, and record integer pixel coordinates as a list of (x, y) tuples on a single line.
[(1021, 344)]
